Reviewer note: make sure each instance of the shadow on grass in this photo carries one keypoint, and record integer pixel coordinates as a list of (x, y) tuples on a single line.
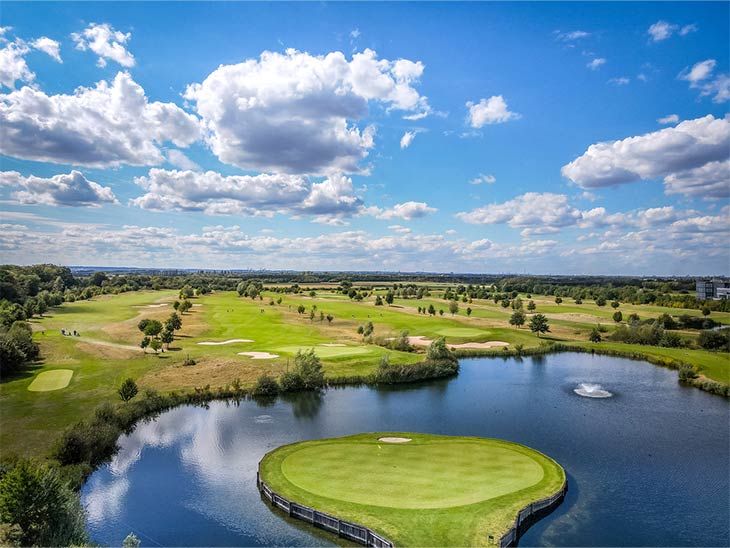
[(28, 370)]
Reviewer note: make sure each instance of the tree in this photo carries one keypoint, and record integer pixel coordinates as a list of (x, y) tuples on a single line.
[(438, 351), (309, 367), (558, 300), (144, 343), (97, 278), (389, 297), (531, 306), (37, 503), (311, 314), (173, 323), (152, 328), (431, 310), (539, 324), (186, 292), (595, 335), (453, 307), (441, 311), (167, 337), (617, 316), (505, 303), (128, 390), (185, 306), (155, 345), (176, 305), (578, 300), (301, 309), (705, 311), (601, 301), (378, 301), (615, 304), (517, 319), (468, 312), (330, 317)]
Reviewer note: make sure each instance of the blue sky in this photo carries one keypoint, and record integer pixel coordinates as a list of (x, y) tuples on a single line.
[(476, 137)]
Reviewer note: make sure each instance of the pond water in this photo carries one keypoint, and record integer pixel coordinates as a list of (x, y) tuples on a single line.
[(648, 466)]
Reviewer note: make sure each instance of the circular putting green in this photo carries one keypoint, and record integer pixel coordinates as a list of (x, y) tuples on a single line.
[(461, 332), (395, 483), (51, 380)]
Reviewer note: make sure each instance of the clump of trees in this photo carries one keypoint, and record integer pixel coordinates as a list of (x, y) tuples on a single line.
[(539, 324), (37, 508), (156, 334), (250, 288), (17, 348), (440, 362)]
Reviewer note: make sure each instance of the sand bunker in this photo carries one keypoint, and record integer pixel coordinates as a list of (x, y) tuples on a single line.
[(150, 305), (394, 440), (197, 304), (488, 344), (259, 355), (332, 344), (419, 341), (229, 341)]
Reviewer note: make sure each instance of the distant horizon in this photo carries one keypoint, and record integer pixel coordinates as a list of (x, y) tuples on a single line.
[(465, 136), (100, 268)]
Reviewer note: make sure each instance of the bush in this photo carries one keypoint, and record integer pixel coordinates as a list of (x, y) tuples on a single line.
[(128, 390), (715, 340), (87, 443), (291, 382), (38, 508), (438, 351), (671, 340), (687, 372), (266, 386)]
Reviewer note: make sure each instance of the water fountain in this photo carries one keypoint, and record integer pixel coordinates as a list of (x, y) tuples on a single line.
[(591, 390)]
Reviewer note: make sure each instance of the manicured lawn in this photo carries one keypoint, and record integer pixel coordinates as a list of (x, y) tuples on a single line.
[(430, 491), (51, 380)]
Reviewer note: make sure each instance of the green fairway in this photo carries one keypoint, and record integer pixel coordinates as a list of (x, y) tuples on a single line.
[(328, 351), (51, 380), (430, 491), (463, 332)]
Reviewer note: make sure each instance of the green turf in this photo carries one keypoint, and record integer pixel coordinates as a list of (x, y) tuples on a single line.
[(461, 332), (51, 380), (431, 491), (327, 351)]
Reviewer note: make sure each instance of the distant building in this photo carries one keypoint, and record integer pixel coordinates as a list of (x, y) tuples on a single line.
[(715, 289)]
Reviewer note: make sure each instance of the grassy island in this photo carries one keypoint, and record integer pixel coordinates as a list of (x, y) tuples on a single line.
[(416, 489)]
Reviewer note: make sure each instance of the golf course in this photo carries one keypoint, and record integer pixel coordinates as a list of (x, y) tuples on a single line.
[(416, 489), (233, 340)]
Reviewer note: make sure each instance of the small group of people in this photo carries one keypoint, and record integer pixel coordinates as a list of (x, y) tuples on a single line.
[(67, 333)]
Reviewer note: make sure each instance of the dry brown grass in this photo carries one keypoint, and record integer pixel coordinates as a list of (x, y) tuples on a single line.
[(193, 324), (214, 371)]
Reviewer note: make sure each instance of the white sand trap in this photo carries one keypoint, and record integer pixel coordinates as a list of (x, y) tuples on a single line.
[(332, 344), (488, 344), (197, 304), (419, 341), (259, 355), (150, 305), (394, 440), (229, 341)]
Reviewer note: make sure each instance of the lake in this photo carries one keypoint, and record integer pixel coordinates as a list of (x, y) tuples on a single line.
[(648, 466)]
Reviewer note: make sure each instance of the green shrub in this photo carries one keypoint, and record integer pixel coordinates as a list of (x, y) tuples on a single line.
[(291, 382), (266, 386)]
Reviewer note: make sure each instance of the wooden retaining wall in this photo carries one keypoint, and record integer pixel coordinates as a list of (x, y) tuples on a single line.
[(345, 529), (529, 514)]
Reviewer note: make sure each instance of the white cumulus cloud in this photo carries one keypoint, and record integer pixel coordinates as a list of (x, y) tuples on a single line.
[(688, 145), (407, 211), (107, 43), (72, 189), (407, 139), (49, 47), (483, 179), (493, 110), (668, 119), (296, 113), (595, 64), (661, 30), (110, 124), (13, 67)]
